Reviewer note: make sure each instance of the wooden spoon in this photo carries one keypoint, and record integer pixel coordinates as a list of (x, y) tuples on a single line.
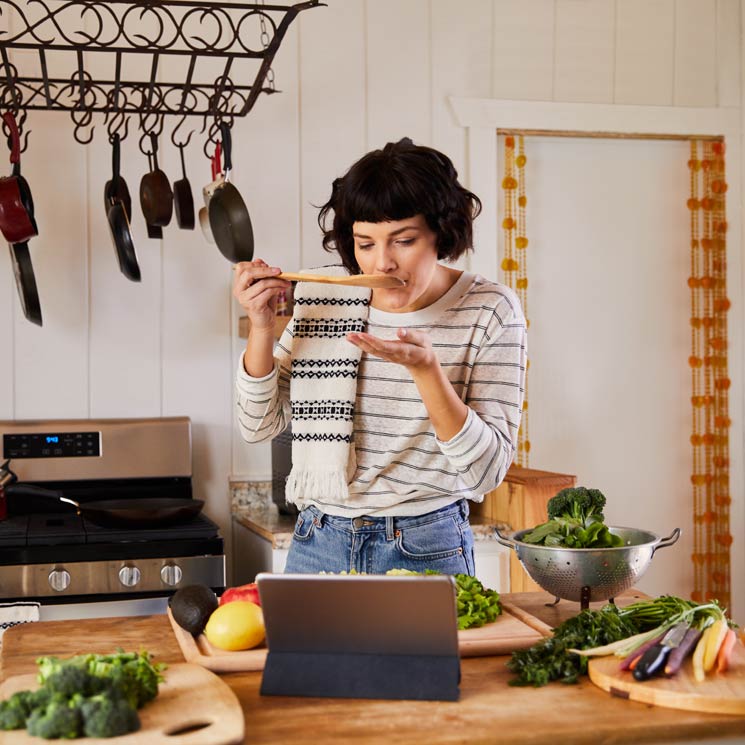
[(353, 280)]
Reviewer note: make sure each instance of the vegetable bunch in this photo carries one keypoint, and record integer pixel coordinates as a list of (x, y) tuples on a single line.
[(89, 695), (710, 637), (476, 604), (575, 521)]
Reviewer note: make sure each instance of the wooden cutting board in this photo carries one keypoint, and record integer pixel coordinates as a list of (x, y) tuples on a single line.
[(192, 701), (720, 693), (513, 629)]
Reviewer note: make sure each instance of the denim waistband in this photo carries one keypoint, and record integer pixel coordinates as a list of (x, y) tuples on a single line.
[(370, 524)]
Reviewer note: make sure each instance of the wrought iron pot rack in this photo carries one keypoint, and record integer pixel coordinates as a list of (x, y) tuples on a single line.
[(66, 36)]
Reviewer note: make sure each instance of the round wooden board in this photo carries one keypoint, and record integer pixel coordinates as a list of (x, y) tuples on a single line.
[(720, 693)]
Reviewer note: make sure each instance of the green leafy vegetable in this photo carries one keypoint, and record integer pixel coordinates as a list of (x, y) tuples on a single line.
[(92, 695), (575, 521), (476, 604)]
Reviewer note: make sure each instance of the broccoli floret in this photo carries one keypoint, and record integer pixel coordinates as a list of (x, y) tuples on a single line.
[(133, 673), (57, 720), (577, 503), (15, 710), (107, 716), (70, 680)]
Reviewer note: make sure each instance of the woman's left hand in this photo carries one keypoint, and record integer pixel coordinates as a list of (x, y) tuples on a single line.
[(413, 349)]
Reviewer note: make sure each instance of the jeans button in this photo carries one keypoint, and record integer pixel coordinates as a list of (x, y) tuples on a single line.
[(358, 522)]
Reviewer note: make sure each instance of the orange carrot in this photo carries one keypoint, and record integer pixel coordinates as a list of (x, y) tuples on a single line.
[(725, 651), (634, 662)]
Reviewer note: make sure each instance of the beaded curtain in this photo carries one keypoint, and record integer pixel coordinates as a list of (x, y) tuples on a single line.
[(709, 373), (515, 262)]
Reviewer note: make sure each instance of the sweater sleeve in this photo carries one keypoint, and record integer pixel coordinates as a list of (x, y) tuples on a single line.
[(485, 447), (264, 403)]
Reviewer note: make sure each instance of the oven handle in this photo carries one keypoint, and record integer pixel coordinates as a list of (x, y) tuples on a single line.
[(29, 490)]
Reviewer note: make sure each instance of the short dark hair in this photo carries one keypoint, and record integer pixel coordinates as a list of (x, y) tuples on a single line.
[(400, 181)]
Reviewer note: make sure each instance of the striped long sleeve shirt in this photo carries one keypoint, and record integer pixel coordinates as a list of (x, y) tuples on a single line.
[(478, 332)]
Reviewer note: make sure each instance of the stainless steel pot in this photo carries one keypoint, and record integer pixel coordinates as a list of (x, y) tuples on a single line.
[(586, 574)]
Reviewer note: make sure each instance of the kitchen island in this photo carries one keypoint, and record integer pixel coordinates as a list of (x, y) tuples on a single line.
[(489, 710)]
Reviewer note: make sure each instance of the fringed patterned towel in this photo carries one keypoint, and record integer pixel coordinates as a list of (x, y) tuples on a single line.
[(323, 385), (13, 614)]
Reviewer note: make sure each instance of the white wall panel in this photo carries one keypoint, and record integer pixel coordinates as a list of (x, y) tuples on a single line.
[(332, 127), (461, 61), (645, 52), (399, 100), (523, 49), (728, 52), (695, 82), (51, 363), (585, 46)]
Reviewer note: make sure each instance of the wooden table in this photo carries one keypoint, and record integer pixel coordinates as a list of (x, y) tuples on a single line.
[(489, 711)]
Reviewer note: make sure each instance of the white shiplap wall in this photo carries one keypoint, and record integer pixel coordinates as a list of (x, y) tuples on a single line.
[(353, 75)]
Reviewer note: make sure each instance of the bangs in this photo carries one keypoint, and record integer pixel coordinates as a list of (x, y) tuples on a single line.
[(382, 196)]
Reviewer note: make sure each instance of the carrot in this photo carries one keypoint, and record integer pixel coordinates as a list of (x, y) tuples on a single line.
[(698, 656), (716, 637), (635, 661), (629, 662), (677, 655), (725, 651)]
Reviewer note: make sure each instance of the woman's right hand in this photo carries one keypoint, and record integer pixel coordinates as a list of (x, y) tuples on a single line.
[(256, 287)]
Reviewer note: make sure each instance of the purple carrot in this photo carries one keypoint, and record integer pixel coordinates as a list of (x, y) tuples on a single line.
[(679, 653), (639, 651)]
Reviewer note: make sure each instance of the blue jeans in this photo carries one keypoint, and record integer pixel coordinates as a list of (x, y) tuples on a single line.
[(440, 540)]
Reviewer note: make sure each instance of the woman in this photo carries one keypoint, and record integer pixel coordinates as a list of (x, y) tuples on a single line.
[(427, 378)]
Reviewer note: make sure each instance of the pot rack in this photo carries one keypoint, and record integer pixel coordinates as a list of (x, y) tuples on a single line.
[(57, 42)]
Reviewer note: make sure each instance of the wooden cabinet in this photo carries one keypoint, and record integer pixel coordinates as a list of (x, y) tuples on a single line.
[(520, 501)]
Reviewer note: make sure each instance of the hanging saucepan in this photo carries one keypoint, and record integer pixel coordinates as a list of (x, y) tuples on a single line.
[(208, 191), (153, 231), (229, 218), (117, 187), (156, 197), (23, 271), (136, 512), (183, 199), (17, 221), (118, 209)]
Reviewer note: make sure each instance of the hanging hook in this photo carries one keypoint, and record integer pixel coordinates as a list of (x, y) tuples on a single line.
[(184, 144), (81, 124)]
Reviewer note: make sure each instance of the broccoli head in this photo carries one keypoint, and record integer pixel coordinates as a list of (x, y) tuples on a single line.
[(15, 710), (71, 680), (108, 716), (57, 720), (577, 503)]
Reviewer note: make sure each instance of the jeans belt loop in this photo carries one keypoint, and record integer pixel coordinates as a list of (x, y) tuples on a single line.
[(389, 531)]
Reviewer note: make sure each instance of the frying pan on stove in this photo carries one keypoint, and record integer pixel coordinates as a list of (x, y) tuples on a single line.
[(120, 513), (23, 271)]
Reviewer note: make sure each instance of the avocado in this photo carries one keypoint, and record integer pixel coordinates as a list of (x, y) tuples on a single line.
[(191, 607)]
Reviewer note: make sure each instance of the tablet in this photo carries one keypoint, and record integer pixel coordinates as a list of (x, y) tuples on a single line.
[(363, 636)]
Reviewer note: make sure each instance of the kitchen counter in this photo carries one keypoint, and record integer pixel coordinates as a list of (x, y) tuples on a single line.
[(488, 711)]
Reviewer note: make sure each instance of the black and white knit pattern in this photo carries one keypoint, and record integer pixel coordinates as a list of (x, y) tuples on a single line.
[(14, 614)]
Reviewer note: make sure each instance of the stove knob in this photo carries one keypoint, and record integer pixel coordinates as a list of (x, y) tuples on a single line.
[(59, 579), (171, 574), (129, 576)]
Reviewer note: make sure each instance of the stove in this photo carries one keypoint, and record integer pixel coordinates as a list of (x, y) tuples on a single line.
[(50, 554)]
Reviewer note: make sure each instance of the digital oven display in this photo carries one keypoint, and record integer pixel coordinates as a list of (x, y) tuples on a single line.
[(52, 445)]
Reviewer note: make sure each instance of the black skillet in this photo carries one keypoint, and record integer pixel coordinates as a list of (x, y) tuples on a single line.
[(114, 513), (23, 270), (229, 218), (156, 197), (183, 199), (118, 210)]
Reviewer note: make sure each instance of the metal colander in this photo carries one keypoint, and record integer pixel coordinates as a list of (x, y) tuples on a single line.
[(585, 574)]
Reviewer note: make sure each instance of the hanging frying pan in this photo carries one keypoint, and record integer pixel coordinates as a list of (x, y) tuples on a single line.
[(23, 271), (183, 199), (208, 191), (17, 222), (112, 513), (121, 234), (117, 188), (229, 218), (156, 197)]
